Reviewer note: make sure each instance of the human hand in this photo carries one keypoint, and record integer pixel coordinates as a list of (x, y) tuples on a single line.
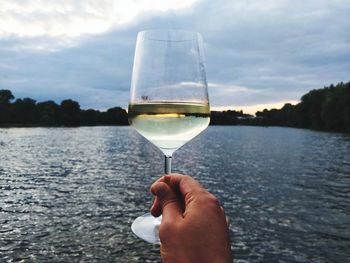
[(193, 227)]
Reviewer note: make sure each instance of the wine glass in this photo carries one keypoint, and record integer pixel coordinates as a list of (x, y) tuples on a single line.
[(169, 102)]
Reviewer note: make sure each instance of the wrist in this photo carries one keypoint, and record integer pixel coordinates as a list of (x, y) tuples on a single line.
[(190, 256)]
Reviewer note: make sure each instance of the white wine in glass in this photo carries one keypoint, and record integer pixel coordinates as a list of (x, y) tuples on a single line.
[(169, 102)]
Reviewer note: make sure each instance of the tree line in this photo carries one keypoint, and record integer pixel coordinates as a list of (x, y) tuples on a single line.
[(325, 109), (229, 117), (27, 112), (321, 109)]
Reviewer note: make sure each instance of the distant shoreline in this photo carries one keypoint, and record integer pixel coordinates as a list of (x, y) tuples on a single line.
[(326, 109), (212, 125)]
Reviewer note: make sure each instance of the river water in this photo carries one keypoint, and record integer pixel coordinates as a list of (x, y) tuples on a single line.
[(70, 194)]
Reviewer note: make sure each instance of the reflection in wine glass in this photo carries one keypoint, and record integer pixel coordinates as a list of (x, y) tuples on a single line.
[(169, 102)]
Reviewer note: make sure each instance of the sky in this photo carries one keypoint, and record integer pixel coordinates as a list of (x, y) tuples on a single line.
[(259, 54)]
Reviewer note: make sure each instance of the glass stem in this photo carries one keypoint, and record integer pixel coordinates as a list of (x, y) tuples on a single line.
[(167, 164)]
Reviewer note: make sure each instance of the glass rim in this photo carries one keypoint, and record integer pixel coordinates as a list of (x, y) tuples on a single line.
[(192, 35)]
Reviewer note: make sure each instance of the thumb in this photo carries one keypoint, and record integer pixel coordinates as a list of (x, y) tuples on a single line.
[(171, 209)]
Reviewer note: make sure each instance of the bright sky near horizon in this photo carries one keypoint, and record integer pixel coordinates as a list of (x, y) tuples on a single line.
[(258, 53)]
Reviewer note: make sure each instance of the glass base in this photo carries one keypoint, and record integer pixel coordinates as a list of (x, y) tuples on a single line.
[(146, 227)]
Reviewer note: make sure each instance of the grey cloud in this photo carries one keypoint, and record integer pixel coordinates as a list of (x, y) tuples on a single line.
[(278, 50)]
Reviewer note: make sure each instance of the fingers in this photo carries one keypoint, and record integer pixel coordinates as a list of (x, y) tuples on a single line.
[(167, 201), (156, 209), (186, 185)]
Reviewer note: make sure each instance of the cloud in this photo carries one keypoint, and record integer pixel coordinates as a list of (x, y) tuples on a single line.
[(257, 53), (69, 19)]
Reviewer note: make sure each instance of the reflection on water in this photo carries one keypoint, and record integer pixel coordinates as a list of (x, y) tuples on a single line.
[(70, 194)]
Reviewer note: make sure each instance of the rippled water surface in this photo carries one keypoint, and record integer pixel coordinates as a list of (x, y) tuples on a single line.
[(70, 195)]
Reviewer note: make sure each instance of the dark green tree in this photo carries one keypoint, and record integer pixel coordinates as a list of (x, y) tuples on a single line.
[(117, 115), (25, 111), (69, 113), (90, 117), (48, 112), (5, 110), (5, 96), (312, 104)]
